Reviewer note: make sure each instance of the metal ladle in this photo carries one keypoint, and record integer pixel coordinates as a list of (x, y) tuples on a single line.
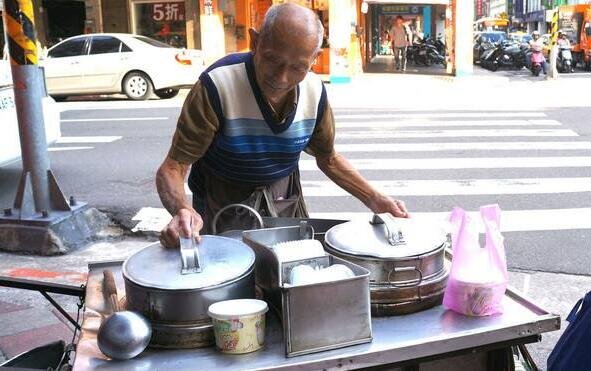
[(124, 334)]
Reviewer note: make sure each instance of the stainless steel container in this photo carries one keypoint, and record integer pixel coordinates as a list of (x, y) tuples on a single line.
[(175, 303), (406, 260), (315, 317)]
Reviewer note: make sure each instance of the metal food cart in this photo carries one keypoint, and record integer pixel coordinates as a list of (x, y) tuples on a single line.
[(433, 339)]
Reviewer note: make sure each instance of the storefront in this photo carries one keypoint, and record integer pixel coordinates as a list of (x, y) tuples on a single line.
[(426, 19), (536, 21), (417, 19), (160, 20)]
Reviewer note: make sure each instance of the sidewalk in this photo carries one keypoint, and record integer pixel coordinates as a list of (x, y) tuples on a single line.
[(27, 320)]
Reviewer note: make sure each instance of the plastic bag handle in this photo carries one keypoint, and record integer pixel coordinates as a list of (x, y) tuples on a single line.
[(491, 216)]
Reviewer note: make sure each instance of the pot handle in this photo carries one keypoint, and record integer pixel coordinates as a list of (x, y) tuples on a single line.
[(393, 232), (238, 206), (189, 256), (415, 283)]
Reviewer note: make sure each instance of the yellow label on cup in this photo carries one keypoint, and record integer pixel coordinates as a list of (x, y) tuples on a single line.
[(241, 335)]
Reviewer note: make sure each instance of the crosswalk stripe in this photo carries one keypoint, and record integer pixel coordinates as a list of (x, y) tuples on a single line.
[(462, 146), (457, 187), (370, 115), (89, 139), (436, 123), (511, 220), (61, 149), (459, 163), (117, 119), (457, 133)]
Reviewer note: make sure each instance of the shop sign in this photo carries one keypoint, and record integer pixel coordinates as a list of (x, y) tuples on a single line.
[(168, 12), (479, 8), (400, 9)]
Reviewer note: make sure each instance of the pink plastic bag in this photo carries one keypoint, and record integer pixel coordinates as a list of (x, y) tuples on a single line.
[(478, 277)]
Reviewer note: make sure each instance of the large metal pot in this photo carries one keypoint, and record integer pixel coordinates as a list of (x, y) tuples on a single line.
[(173, 288), (406, 260)]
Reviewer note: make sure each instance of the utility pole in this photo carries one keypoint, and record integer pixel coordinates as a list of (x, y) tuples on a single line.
[(553, 73), (41, 220)]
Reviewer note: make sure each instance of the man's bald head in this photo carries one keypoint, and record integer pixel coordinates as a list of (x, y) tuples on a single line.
[(289, 20)]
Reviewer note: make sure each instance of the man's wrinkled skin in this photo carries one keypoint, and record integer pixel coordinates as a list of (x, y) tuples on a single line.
[(282, 58)]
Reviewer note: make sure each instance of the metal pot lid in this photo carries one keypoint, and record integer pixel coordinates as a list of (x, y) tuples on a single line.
[(220, 260), (386, 237)]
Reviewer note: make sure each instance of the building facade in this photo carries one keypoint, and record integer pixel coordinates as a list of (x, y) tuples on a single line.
[(497, 7)]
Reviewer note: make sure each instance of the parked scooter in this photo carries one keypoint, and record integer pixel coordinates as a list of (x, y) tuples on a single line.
[(425, 53), (506, 54)]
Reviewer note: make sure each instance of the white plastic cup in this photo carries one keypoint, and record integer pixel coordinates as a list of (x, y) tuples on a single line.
[(239, 325)]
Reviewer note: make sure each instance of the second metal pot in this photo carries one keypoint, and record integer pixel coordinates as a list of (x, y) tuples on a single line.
[(406, 260)]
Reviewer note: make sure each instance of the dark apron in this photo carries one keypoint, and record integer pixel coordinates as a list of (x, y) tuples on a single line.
[(282, 198)]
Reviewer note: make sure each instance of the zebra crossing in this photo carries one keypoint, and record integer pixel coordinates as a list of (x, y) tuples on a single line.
[(537, 169)]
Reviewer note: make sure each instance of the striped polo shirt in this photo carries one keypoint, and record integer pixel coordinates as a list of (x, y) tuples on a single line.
[(250, 146)]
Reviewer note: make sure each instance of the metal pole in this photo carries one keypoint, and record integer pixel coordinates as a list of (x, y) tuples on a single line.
[(41, 221), (553, 73), (28, 92)]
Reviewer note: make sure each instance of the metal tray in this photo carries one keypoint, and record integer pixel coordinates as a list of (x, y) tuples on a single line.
[(315, 317)]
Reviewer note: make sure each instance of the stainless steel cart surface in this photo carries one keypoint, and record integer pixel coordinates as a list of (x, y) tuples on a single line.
[(432, 333)]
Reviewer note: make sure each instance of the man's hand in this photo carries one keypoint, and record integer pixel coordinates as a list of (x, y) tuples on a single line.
[(384, 204), (186, 223)]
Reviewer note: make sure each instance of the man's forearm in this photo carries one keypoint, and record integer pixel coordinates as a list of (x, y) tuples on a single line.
[(340, 171), (170, 182)]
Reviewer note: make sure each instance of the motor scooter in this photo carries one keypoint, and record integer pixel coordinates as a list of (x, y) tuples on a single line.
[(536, 62), (564, 60)]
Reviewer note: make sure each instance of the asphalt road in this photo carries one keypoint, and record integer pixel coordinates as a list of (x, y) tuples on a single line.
[(535, 164)]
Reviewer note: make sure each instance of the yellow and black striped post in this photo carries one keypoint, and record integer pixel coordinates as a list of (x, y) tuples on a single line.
[(554, 29), (20, 29)]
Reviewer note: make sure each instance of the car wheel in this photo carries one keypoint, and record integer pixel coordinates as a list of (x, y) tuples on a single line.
[(137, 86), (166, 93), (59, 98)]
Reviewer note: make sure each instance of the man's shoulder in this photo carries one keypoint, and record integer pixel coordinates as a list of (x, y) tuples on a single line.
[(229, 60)]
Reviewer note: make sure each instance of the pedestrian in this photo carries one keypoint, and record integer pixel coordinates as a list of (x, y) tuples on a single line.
[(401, 38), (244, 125)]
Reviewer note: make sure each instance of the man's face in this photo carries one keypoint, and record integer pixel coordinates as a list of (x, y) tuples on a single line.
[(399, 22), (281, 62)]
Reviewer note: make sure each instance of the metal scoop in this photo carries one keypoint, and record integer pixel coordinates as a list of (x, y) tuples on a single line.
[(124, 334)]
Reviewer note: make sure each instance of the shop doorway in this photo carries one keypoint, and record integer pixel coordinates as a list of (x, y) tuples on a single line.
[(64, 19), (425, 25)]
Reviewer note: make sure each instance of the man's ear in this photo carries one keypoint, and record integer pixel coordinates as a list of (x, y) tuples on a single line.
[(315, 57), (254, 38)]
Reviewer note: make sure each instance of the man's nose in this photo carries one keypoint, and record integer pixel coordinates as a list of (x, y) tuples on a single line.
[(282, 76)]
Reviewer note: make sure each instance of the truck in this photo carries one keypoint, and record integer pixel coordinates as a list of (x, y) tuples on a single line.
[(575, 22)]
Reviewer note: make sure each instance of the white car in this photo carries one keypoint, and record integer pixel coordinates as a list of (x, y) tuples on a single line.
[(134, 65)]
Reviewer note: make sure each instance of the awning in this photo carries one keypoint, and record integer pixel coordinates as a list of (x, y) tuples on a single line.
[(409, 2)]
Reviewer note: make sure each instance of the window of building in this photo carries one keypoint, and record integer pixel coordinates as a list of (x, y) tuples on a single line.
[(161, 20)]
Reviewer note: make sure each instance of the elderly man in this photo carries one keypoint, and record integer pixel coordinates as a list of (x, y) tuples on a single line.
[(244, 125)]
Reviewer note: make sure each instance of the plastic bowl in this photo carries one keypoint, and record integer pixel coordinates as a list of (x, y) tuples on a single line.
[(239, 325)]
